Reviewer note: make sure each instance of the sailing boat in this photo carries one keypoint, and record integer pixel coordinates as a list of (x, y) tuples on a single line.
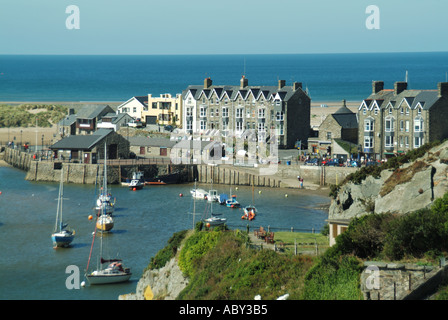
[(250, 211), (62, 237), (115, 272), (104, 201), (104, 222), (213, 220)]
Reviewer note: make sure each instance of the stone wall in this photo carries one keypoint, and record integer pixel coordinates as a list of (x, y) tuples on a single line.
[(397, 281)]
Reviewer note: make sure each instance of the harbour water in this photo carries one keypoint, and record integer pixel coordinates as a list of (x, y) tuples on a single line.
[(144, 221)]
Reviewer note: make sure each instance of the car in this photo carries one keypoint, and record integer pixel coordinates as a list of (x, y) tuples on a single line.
[(312, 162), (334, 163), (372, 163)]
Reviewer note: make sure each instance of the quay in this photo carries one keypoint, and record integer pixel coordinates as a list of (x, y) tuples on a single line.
[(275, 176)]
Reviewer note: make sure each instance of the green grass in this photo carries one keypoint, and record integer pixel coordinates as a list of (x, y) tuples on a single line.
[(306, 242)]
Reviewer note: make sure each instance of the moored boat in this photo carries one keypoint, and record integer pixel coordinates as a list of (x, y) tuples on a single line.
[(232, 202), (104, 222)]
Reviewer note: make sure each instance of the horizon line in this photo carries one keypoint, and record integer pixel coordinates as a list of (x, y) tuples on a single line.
[(214, 54)]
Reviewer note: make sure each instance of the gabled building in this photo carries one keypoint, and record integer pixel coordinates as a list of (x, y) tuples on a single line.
[(231, 110), (89, 148), (341, 125), (88, 117), (394, 121), (114, 121), (134, 106)]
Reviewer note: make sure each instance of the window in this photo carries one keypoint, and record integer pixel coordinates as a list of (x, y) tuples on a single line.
[(418, 124), (401, 141), (280, 129), (203, 124), (261, 127), (279, 116), (328, 135), (419, 110), (189, 112), (203, 112), (261, 113), (376, 110), (239, 112), (212, 112), (368, 142), (390, 110), (389, 141), (189, 125), (389, 124), (368, 125), (406, 141), (154, 105), (407, 110), (225, 112), (418, 141), (239, 126), (407, 126), (401, 125)]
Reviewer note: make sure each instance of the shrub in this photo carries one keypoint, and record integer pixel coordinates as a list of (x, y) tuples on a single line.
[(165, 255)]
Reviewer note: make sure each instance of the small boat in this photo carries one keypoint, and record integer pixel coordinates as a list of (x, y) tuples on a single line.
[(232, 202), (105, 204), (214, 221), (199, 193), (104, 222), (165, 179), (249, 212), (114, 273), (104, 201), (137, 182), (61, 236), (212, 195)]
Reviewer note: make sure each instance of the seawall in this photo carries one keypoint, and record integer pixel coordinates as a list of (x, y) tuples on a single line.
[(274, 176)]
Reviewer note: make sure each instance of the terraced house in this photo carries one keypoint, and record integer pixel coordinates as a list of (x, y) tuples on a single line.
[(243, 110), (394, 121)]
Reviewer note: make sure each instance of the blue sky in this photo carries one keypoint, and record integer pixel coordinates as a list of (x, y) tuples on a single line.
[(221, 27)]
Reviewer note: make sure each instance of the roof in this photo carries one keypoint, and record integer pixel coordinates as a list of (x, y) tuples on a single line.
[(81, 142), (92, 111), (346, 120), (232, 92), (68, 120), (413, 98)]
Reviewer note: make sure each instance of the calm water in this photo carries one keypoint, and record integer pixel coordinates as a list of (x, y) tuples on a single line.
[(118, 78), (144, 221)]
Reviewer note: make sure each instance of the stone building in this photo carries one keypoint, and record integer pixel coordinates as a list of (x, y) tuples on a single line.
[(236, 110), (89, 148), (340, 127), (394, 121)]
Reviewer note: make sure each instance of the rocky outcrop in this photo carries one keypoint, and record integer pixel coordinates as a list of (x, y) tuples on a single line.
[(412, 187), (165, 283)]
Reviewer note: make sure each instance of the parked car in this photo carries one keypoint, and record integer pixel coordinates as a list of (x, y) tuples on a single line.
[(312, 162), (354, 163), (334, 163), (372, 163)]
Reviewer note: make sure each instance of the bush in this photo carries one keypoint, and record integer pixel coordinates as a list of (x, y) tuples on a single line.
[(165, 255)]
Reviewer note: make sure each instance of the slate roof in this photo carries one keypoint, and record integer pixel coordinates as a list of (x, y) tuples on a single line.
[(81, 142), (92, 111), (285, 93), (426, 98)]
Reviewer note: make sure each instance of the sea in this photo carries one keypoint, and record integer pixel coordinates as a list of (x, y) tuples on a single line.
[(328, 77), (31, 269), (146, 219)]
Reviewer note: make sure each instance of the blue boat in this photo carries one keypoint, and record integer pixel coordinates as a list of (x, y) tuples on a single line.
[(232, 202), (223, 198)]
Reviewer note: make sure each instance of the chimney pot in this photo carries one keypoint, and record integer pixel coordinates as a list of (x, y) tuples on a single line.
[(207, 83), (244, 82), (443, 89), (377, 86), (297, 85), (281, 83), (400, 86)]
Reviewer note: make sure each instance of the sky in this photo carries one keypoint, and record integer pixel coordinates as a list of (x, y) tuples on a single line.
[(221, 27)]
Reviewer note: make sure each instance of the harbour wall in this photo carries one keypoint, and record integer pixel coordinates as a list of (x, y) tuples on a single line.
[(275, 176)]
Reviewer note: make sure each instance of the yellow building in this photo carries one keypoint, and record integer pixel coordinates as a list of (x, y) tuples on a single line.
[(163, 110)]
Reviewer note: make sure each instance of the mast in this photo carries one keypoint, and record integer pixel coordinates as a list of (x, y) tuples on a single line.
[(59, 208), (194, 202)]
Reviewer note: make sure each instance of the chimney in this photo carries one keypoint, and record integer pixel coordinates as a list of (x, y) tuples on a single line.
[(377, 86), (399, 87), (244, 82), (281, 84), (207, 83), (443, 89), (296, 85)]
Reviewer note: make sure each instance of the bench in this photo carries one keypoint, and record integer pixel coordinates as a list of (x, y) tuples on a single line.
[(260, 233), (269, 238)]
